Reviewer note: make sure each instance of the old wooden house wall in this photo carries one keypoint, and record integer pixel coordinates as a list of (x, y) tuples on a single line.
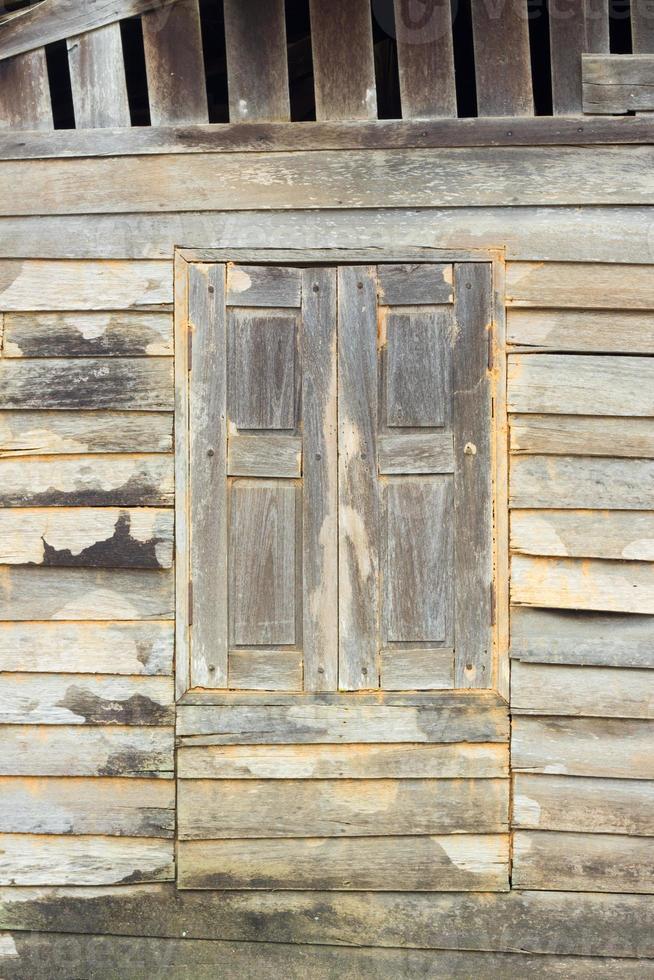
[(86, 487)]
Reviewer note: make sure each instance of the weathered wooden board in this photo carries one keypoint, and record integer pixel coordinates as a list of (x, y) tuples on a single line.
[(87, 648), (172, 43), (618, 83), (265, 670), (53, 699), (58, 750), (87, 334), (585, 862), (582, 330), (261, 367), (642, 28), (568, 435), (608, 747), (417, 670), (271, 286), (502, 62), (25, 93), (344, 85), (343, 762), (113, 807), (425, 61), (601, 806), (36, 285), (85, 594), (257, 73), (415, 285), (608, 586), (582, 482), (579, 285), (44, 433), (568, 40), (569, 384), (416, 453), (448, 718), (627, 535), (548, 689), (437, 863), (27, 859), (211, 809), (97, 75), (555, 636), (265, 456)]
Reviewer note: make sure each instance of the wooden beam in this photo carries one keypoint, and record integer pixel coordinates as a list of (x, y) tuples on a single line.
[(97, 75), (257, 61), (618, 83), (502, 59), (343, 59)]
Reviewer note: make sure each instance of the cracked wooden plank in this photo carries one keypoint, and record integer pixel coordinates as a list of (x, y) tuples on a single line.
[(583, 862), (618, 83), (579, 482), (44, 433), (569, 435), (624, 535), (593, 584), (27, 285), (551, 689), (587, 805)]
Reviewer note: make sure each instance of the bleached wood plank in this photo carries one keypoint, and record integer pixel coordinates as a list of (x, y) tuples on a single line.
[(617, 83), (26, 859), (25, 93), (257, 73), (460, 761), (450, 863), (613, 332), (625, 535), (265, 670), (37, 285), (113, 807), (567, 435), (610, 747), (87, 648), (274, 286), (43, 433), (601, 806), (568, 583), (85, 594), (568, 40), (579, 285), (87, 334), (52, 699), (582, 482), (97, 75), (265, 456), (60, 750), (540, 689), (583, 862), (502, 62), (172, 43), (211, 809), (417, 670), (344, 85), (416, 453), (425, 61)]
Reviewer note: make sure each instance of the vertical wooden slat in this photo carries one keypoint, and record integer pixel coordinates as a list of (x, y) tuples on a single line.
[(473, 517), (597, 26), (257, 64), (358, 557), (343, 59), (502, 58), (425, 55), (97, 76), (208, 469), (25, 92), (320, 491), (642, 27), (172, 40), (575, 28)]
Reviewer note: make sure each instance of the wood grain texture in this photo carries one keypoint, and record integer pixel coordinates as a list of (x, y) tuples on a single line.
[(38, 285), (265, 456), (85, 594), (344, 86), (642, 28), (418, 369), (579, 285), (415, 285), (593, 862), (425, 60), (614, 83), (568, 583), (575, 482), (172, 41), (417, 670), (60, 750), (272, 286), (437, 863), (87, 648), (413, 453), (540, 689), (52, 860), (87, 334), (262, 370), (625, 535), (44, 433), (265, 670), (79, 807), (25, 92), (257, 72), (601, 806), (97, 75), (568, 41), (502, 62), (568, 435), (591, 331)]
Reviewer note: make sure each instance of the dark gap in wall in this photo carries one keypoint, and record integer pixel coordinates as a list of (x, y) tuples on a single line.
[(136, 78), (9, 6), (215, 59), (300, 61), (539, 45), (464, 58), (620, 26), (387, 78), (61, 93)]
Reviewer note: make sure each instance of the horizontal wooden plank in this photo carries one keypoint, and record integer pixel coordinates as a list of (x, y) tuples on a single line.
[(416, 453), (601, 806), (29, 286), (59, 750), (581, 482), (266, 456), (125, 383), (607, 747), (87, 537), (568, 384), (444, 863), (87, 481), (626, 535), (458, 761), (87, 334), (328, 179), (554, 636), (548, 689), (260, 285), (85, 594), (111, 807), (579, 285), (570, 435), (77, 699), (43, 433), (417, 670), (591, 331), (586, 862), (614, 84), (415, 285), (27, 859), (448, 718), (265, 670), (87, 648), (211, 809), (605, 586)]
